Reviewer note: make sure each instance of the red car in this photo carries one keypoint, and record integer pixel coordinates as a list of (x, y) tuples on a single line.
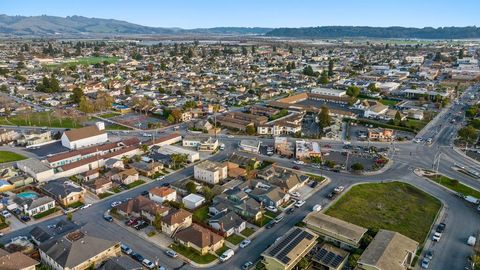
[(131, 222)]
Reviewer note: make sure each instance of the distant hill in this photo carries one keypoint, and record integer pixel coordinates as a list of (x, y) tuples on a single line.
[(78, 25), (377, 32)]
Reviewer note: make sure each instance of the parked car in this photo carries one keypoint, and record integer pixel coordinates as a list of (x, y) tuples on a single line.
[(148, 264), (115, 203), (290, 210), (245, 243), (314, 184), (429, 254), (278, 219), (108, 218), (296, 168), (125, 249), (86, 206), (144, 193), (441, 227), (171, 253), (270, 225), (160, 178), (271, 209), (6, 214), (137, 257), (317, 208), (299, 203), (25, 218), (247, 265), (436, 236), (425, 263), (226, 255), (295, 194)]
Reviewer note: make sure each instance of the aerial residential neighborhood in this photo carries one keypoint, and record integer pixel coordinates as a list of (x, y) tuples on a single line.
[(126, 145)]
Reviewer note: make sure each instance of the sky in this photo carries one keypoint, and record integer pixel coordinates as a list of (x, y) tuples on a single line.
[(261, 13)]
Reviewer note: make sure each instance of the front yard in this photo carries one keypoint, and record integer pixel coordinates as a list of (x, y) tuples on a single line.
[(46, 213), (247, 232), (392, 206), (235, 239), (193, 255)]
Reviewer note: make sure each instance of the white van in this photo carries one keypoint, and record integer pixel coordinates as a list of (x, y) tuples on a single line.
[(227, 255)]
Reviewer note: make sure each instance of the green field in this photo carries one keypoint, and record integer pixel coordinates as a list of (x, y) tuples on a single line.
[(40, 119), (117, 127), (109, 115), (392, 206), (235, 239), (455, 185), (7, 156), (388, 102), (193, 255), (91, 60)]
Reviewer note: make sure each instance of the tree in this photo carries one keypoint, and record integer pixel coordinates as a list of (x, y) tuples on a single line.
[(157, 222), (308, 71), (398, 119), (250, 130), (85, 105), (373, 88), (353, 91), (128, 90), (330, 68), (468, 134), (76, 95), (244, 51), (48, 85), (170, 119), (357, 167), (177, 115), (461, 54), (324, 119), (178, 159), (69, 216), (208, 193), (4, 88), (144, 148), (323, 78), (191, 187)]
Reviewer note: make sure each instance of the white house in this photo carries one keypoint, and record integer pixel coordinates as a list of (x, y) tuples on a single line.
[(329, 92), (162, 194), (193, 201), (85, 136), (252, 146), (210, 172), (34, 206)]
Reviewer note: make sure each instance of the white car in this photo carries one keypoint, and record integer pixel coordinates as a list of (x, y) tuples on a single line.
[(295, 194), (231, 136), (271, 209), (115, 203), (245, 243), (6, 214), (171, 253), (317, 208), (436, 236), (147, 135), (299, 203), (299, 162), (86, 206), (148, 264), (160, 178)]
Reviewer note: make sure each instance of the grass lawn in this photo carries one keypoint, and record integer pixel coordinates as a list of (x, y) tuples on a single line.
[(7, 156), (104, 195), (316, 177), (221, 250), (109, 115), (416, 124), (46, 213), (263, 221), (75, 205), (455, 185), (393, 206), (116, 190), (235, 239), (135, 184), (117, 127), (201, 214), (247, 232), (39, 119), (388, 102), (193, 255)]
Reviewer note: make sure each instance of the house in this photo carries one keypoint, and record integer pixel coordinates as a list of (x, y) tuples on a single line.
[(285, 253), (120, 263), (114, 163), (251, 146), (176, 220), (126, 176), (238, 201), (85, 136), (200, 239), (99, 185), (34, 205), (36, 169), (192, 201), (89, 175), (234, 170), (283, 178), (162, 194), (39, 235), (64, 191), (284, 147), (388, 250), (210, 171), (269, 195), (77, 250), (228, 223), (329, 257), (341, 233), (203, 145), (16, 261), (147, 169), (142, 207), (380, 134)]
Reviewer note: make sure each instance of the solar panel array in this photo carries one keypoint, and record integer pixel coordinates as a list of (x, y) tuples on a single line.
[(286, 245), (328, 258)]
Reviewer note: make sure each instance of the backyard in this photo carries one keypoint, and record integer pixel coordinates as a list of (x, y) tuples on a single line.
[(7, 156), (392, 206)]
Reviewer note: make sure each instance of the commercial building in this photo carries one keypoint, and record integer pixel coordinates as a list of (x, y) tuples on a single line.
[(192, 156), (36, 169), (285, 253), (329, 92), (388, 251), (252, 146), (207, 145), (85, 136), (342, 233), (307, 149), (210, 171)]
